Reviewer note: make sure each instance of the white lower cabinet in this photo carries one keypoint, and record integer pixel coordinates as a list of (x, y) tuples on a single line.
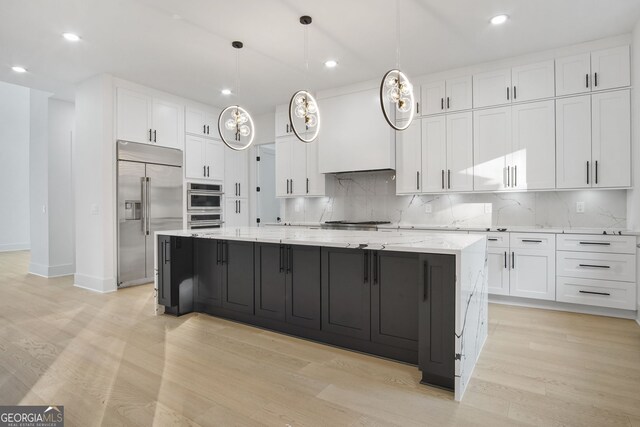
[(236, 213), (533, 274), (498, 267), (601, 293)]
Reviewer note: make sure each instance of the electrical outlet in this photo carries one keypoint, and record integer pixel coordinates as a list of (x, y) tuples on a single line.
[(95, 209), (579, 207), (488, 208), (428, 208)]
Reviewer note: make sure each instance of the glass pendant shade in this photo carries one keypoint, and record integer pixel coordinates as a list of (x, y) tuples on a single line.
[(396, 99), (304, 116), (235, 127)]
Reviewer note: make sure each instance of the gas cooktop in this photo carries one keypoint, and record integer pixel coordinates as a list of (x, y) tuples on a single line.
[(353, 225)]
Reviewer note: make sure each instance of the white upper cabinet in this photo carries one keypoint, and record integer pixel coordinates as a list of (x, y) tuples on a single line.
[(598, 70), (433, 95), (460, 152), (611, 68), (573, 142), (283, 126), (434, 154), (145, 119), (204, 158), (202, 123), (491, 147), (236, 173), (408, 159), (195, 166), (316, 181), (298, 176), (611, 142), (297, 168), (492, 88), (283, 166), (533, 81), (459, 94), (532, 164)]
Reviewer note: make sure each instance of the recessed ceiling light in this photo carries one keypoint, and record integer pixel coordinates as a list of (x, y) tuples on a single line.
[(499, 19), (226, 91), (71, 37), (19, 69), (332, 63)]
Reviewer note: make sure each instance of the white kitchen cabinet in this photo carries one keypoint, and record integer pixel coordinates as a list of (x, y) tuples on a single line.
[(532, 164), (433, 155), (283, 126), (283, 166), (236, 213), (498, 270), (409, 158), (492, 88), (291, 167), (459, 163), (145, 119), (573, 142), (611, 141), (236, 173), (432, 98), (316, 181), (491, 147), (611, 68), (201, 123), (573, 74), (533, 81), (459, 94), (532, 266), (204, 159)]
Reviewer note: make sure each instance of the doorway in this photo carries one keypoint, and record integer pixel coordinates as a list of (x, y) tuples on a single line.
[(267, 205)]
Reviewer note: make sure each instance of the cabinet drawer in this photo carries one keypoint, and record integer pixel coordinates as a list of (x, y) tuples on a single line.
[(600, 293), (533, 241), (597, 266), (496, 240), (597, 243)]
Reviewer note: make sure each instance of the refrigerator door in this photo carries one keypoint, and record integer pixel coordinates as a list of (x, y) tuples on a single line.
[(164, 204), (131, 237)]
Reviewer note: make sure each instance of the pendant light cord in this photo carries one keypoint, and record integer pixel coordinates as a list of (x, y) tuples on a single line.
[(398, 34), (237, 75), (306, 55)]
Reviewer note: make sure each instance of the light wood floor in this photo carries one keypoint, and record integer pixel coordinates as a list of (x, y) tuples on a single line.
[(110, 361)]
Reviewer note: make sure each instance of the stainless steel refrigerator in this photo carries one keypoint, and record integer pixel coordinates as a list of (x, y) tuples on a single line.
[(149, 200)]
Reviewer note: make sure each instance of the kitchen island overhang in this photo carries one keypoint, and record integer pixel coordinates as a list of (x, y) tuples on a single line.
[(416, 297)]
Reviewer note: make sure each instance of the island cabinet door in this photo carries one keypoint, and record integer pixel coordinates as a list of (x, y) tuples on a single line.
[(237, 276), (346, 292), (207, 271), (175, 273), (270, 280), (436, 347), (303, 286), (165, 295), (394, 305)]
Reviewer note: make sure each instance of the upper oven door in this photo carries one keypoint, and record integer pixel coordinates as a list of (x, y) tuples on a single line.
[(203, 201)]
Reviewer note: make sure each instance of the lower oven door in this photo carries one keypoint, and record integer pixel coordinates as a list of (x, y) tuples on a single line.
[(204, 200), (204, 220), (203, 224)]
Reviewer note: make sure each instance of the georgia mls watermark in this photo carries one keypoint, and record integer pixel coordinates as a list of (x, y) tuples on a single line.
[(31, 416)]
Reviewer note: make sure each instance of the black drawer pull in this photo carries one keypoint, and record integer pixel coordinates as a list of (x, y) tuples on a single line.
[(595, 293), (593, 266), (425, 287), (596, 243), (531, 241), (492, 239)]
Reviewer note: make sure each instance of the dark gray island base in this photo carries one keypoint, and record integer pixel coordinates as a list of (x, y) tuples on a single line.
[(398, 305)]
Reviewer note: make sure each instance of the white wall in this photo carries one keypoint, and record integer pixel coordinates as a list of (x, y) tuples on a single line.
[(14, 167), (633, 199)]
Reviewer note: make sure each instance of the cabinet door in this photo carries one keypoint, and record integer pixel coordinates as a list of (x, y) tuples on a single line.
[(611, 68), (243, 212), (165, 295), (498, 270), (533, 81), (236, 166), (168, 124), (533, 274), (211, 121), (214, 159), (133, 116), (492, 88), (283, 166), (195, 122), (236, 213), (207, 275), (175, 273), (408, 158), (433, 154), (459, 94), (433, 95), (237, 291), (298, 186), (283, 128), (533, 165), (436, 331), (460, 152), (195, 166), (611, 149), (492, 142), (394, 310), (573, 142), (346, 292), (316, 181), (270, 280), (573, 74), (303, 286)]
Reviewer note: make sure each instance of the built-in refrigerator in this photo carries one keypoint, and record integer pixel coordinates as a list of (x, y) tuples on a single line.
[(149, 200)]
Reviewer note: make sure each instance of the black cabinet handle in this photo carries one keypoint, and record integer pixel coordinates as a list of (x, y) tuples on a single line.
[(281, 261), (513, 260), (149, 135), (204, 129), (417, 180), (291, 186), (425, 284), (492, 239), (307, 185), (596, 243), (586, 80), (531, 241), (208, 130), (287, 127), (289, 259), (593, 266), (507, 93), (366, 267), (514, 92), (448, 104), (595, 79), (417, 108), (239, 189), (204, 171), (167, 251), (596, 171), (442, 103), (443, 179), (449, 179), (505, 260), (154, 136), (375, 268), (595, 293), (218, 253), (588, 171), (208, 172)]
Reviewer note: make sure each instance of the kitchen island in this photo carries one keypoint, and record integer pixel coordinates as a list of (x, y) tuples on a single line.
[(419, 298)]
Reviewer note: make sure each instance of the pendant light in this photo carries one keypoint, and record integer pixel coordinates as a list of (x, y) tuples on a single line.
[(304, 115), (235, 124), (396, 91)]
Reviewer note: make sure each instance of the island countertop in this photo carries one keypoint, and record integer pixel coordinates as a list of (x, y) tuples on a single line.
[(389, 240)]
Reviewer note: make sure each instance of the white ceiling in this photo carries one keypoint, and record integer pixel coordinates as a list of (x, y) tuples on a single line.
[(183, 46)]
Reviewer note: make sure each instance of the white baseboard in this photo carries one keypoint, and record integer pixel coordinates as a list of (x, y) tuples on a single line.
[(638, 320), (563, 306), (11, 247), (50, 271), (93, 283)]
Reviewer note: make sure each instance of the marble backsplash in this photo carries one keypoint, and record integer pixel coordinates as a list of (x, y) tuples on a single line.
[(371, 196)]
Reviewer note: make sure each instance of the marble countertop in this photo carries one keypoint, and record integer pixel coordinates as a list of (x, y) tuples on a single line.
[(399, 240)]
